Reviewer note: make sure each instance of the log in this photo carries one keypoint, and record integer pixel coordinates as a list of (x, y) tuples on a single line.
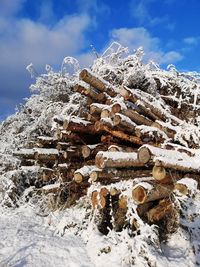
[(117, 148), (46, 142), (114, 175), (119, 134), (92, 150), (97, 108), (78, 125), (102, 197), (169, 131), (51, 188), (163, 209), (93, 118), (149, 133), (186, 185), (124, 122), (86, 90), (180, 163), (137, 118), (149, 109), (73, 152), (146, 192), (98, 83), (162, 175), (117, 160), (46, 154), (169, 159), (123, 202), (63, 145), (25, 153), (83, 173)]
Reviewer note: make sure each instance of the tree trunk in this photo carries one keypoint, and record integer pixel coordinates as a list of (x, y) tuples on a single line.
[(117, 160), (146, 192), (97, 82)]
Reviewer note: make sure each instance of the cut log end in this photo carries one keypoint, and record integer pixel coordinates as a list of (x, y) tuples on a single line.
[(93, 176), (144, 155), (86, 151), (181, 188), (159, 173), (78, 178), (139, 194)]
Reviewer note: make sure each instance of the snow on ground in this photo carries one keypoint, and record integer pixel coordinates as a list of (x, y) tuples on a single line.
[(25, 241)]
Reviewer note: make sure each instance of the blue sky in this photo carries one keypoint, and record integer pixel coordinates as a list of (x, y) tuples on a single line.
[(45, 31)]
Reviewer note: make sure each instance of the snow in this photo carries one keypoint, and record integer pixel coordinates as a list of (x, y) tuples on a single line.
[(26, 241), (117, 156)]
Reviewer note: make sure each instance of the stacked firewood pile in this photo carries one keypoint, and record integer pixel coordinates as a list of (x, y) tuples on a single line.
[(121, 150)]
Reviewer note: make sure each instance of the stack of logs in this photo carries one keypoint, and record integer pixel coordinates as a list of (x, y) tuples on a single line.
[(121, 151)]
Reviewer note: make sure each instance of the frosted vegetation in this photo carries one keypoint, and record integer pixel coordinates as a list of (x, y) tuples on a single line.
[(53, 95)]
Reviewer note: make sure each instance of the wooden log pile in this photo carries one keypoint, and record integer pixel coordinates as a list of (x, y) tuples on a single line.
[(122, 153)]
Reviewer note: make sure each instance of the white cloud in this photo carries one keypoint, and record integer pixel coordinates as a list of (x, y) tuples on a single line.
[(136, 37), (10, 7), (140, 10), (24, 41), (191, 40)]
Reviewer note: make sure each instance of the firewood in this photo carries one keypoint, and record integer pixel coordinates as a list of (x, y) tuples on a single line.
[(146, 191), (116, 148), (51, 188), (117, 160), (162, 175), (78, 125), (63, 145), (81, 174), (164, 208), (46, 142), (107, 113), (125, 122), (169, 131), (149, 133), (152, 111), (119, 134), (25, 153), (92, 150), (73, 152), (97, 82), (86, 90), (137, 118), (183, 164), (114, 175), (123, 202), (46, 154), (97, 108), (93, 118)]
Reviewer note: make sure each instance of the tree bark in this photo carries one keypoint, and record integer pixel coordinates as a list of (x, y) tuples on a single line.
[(117, 160), (97, 82), (146, 191)]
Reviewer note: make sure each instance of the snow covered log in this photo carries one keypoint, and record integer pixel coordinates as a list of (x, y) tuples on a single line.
[(47, 174), (79, 125), (87, 76), (86, 90), (124, 122), (149, 110), (92, 150), (136, 117), (46, 142), (116, 175), (163, 209), (149, 133), (117, 160), (119, 134), (83, 173), (46, 154), (162, 175), (149, 191), (25, 153)]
